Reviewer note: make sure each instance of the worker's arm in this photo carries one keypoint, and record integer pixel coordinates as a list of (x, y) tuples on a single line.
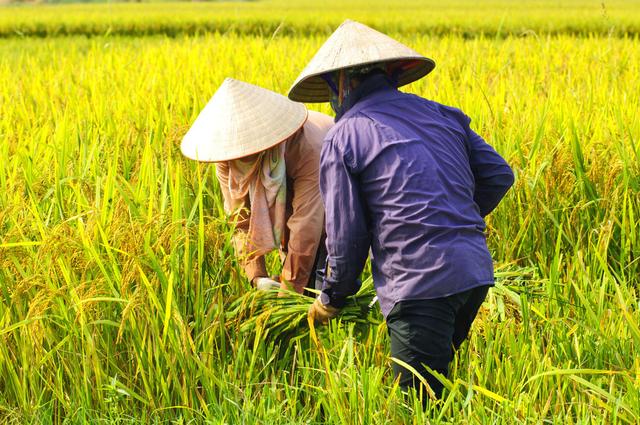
[(493, 176), (238, 211), (307, 219), (348, 238)]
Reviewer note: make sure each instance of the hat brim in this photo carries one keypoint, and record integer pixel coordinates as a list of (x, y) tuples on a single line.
[(248, 152), (314, 89)]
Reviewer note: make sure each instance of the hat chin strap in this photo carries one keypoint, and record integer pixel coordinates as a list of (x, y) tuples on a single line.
[(327, 78), (337, 95), (340, 94)]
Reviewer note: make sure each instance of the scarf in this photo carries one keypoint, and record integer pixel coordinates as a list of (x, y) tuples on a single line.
[(344, 97), (264, 179)]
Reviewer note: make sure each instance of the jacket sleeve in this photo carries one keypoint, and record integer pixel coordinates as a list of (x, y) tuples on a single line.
[(493, 176), (348, 238), (239, 212)]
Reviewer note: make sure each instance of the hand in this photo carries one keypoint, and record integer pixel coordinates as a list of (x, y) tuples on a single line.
[(321, 313), (265, 283)]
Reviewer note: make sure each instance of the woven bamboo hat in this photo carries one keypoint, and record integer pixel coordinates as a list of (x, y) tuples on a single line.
[(241, 119), (354, 44)]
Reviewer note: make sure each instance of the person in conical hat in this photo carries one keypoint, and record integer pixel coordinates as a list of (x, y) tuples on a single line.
[(267, 153), (408, 179)]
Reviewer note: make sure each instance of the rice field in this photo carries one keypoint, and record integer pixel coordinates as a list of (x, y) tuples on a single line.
[(494, 18), (120, 297)]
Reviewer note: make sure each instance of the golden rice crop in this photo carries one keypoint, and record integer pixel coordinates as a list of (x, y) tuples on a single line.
[(121, 299)]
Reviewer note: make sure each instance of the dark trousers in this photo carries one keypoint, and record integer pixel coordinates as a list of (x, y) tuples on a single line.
[(315, 278), (428, 332)]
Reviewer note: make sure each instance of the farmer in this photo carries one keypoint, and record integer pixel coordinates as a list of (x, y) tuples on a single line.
[(409, 179), (267, 150)]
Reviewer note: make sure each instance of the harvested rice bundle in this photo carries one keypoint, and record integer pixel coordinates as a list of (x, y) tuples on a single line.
[(280, 315)]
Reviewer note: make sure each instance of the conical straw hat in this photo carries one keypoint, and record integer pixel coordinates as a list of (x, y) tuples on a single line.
[(241, 119), (354, 44)]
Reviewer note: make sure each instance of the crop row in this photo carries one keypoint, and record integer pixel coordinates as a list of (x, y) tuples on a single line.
[(120, 298), (463, 18)]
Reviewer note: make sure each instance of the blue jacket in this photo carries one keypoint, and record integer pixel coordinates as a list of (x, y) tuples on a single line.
[(408, 179)]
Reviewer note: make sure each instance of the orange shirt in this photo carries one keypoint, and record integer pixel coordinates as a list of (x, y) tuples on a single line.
[(305, 213)]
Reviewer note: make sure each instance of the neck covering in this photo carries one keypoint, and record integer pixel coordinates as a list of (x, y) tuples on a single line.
[(264, 179), (344, 97)]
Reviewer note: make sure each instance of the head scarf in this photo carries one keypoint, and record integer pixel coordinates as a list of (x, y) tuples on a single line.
[(371, 77), (264, 180)]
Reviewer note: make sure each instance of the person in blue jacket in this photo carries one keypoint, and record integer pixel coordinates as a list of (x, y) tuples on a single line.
[(408, 179)]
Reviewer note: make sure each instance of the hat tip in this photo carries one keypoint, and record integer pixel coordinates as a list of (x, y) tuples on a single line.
[(348, 22)]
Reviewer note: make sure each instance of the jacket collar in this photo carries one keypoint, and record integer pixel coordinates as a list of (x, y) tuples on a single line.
[(382, 95)]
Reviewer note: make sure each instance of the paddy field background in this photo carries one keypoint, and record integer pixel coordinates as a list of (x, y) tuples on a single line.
[(121, 300)]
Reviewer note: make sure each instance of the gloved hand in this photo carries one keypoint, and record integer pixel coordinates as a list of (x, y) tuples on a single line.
[(321, 313), (265, 283)]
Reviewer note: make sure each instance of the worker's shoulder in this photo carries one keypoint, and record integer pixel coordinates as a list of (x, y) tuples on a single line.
[(314, 130), (350, 126), (440, 109), (449, 111), (318, 120)]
